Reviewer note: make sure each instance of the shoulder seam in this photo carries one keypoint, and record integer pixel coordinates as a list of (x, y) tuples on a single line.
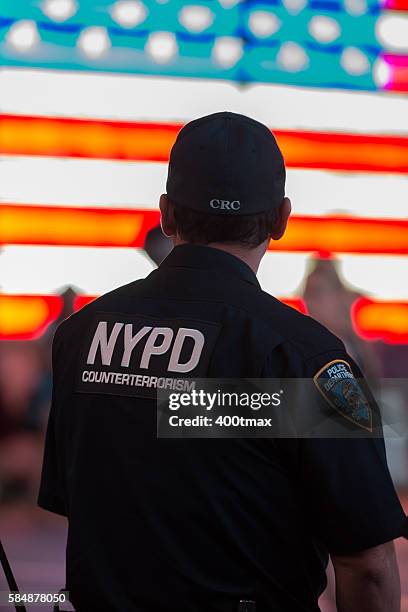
[(305, 358)]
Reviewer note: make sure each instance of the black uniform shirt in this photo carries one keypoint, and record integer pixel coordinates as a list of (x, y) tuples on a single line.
[(195, 525)]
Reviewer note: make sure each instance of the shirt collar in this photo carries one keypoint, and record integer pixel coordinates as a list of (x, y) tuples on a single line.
[(208, 258)]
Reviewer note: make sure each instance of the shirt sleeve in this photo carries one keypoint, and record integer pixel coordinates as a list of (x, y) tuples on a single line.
[(348, 493), (51, 493)]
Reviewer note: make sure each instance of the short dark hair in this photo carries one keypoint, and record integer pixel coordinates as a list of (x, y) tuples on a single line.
[(201, 228)]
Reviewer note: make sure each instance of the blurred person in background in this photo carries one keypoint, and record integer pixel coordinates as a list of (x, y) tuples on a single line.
[(25, 399), (329, 301), (20, 434), (157, 245)]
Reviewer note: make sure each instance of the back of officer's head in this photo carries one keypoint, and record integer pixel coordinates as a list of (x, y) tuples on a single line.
[(226, 183)]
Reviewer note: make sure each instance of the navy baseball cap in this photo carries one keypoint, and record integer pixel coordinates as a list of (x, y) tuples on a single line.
[(226, 164)]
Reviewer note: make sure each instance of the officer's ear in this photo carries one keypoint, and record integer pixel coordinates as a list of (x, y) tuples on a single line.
[(283, 215), (167, 221)]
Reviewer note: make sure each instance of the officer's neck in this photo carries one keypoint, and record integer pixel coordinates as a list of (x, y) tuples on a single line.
[(252, 257)]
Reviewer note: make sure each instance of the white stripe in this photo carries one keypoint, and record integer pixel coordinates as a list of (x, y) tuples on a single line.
[(90, 270), (95, 271), (126, 184), (76, 182), (139, 98), (281, 274), (380, 276)]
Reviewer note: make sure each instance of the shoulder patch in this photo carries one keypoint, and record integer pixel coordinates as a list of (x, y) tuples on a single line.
[(339, 387)]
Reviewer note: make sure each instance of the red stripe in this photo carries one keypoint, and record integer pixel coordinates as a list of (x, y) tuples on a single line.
[(372, 319), (97, 139), (66, 226)]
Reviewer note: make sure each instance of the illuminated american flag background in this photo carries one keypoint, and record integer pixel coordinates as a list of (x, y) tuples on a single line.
[(92, 95)]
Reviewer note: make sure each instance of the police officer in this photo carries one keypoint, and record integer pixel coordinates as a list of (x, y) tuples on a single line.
[(213, 525)]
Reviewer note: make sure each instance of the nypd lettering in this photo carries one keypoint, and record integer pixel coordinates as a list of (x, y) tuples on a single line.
[(342, 391), (159, 340), (130, 355), (233, 205)]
